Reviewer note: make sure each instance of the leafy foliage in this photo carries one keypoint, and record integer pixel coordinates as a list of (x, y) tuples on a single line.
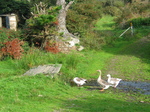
[(41, 26), (51, 47), (43, 20), (132, 11), (13, 48), (81, 19), (10, 44), (48, 2), (138, 22), (112, 10), (6, 34)]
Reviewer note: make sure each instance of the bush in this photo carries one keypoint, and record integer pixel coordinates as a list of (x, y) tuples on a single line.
[(10, 44), (6, 34), (119, 3), (12, 48), (51, 47), (138, 22), (81, 19), (132, 11), (42, 26), (82, 15), (112, 10), (92, 41)]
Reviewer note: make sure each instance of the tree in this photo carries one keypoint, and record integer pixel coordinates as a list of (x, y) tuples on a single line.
[(62, 20), (41, 26)]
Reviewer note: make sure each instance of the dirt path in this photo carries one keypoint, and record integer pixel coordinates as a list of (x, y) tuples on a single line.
[(130, 67), (132, 62)]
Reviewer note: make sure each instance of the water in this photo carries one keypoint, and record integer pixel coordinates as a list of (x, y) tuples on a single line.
[(126, 86), (140, 87)]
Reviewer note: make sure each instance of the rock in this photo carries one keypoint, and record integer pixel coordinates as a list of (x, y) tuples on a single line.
[(80, 48), (51, 69)]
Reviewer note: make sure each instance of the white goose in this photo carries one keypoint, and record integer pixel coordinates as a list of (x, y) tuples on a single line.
[(102, 82), (114, 81), (79, 81)]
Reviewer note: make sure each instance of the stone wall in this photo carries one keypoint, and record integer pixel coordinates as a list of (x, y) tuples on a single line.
[(65, 47)]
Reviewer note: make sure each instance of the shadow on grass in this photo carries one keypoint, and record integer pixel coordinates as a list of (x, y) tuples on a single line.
[(108, 25), (130, 45), (139, 49), (125, 86), (131, 59), (103, 104)]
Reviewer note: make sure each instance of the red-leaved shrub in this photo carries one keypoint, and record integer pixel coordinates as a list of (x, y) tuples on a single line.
[(51, 47), (13, 48)]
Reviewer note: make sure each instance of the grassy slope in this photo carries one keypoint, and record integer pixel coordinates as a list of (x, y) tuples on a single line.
[(40, 93), (105, 23), (131, 58), (132, 62)]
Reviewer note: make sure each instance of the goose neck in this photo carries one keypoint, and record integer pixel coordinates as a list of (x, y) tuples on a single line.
[(99, 78)]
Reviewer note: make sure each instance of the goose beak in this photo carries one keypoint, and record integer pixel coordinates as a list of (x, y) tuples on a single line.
[(98, 70)]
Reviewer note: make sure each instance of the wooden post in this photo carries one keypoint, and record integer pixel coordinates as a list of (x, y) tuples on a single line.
[(131, 25)]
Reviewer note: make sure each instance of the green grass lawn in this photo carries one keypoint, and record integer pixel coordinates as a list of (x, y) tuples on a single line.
[(105, 23), (40, 93), (125, 59)]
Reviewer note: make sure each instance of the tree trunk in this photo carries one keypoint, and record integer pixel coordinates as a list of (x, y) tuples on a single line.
[(62, 20)]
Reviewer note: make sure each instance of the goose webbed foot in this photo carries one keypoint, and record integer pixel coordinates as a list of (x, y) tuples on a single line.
[(102, 89)]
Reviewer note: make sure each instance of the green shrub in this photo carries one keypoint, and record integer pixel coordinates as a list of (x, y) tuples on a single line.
[(81, 19), (93, 40), (11, 43), (7, 34), (41, 26), (76, 23), (112, 10), (119, 3), (3, 36), (132, 11), (82, 15), (138, 22)]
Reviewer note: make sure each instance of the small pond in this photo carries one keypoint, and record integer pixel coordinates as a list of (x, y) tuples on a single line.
[(126, 86)]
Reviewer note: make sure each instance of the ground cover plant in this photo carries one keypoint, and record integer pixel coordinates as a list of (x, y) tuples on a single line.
[(127, 59), (22, 93)]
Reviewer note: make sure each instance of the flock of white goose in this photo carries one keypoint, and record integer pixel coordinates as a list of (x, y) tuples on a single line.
[(105, 84)]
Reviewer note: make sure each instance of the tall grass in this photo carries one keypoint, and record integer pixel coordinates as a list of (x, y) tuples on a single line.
[(73, 64)]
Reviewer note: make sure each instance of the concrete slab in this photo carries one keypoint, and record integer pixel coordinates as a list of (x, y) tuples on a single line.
[(50, 69)]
